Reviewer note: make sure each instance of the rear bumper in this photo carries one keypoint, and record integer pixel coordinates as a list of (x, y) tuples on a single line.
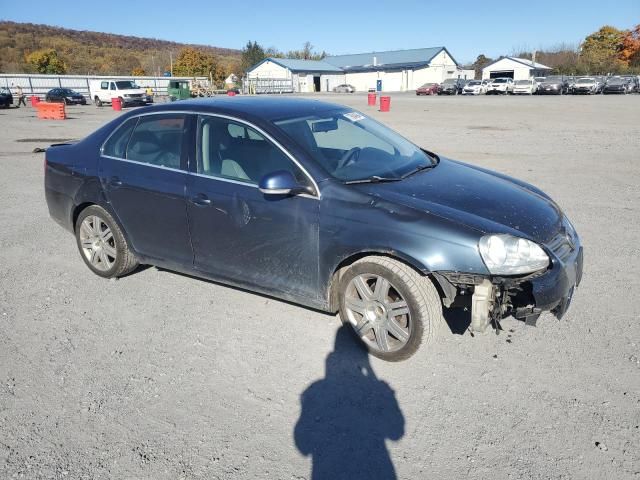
[(60, 208)]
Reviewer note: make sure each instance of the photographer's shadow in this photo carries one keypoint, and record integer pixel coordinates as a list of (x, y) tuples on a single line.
[(347, 416)]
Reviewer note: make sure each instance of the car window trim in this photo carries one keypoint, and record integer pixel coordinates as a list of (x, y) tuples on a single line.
[(170, 169), (316, 195)]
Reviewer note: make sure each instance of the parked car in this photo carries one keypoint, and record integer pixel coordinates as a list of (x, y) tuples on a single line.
[(587, 86), (317, 204), (451, 86), (634, 81), (102, 91), (475, 87), (554, 85), (6, 98), (527, 87), (427, 89), (344, 88), (66, 96), (502, 85), (618, 85), (539, 80)]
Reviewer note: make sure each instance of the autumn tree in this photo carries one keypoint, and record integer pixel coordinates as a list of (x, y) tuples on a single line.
[(481, 62), (252, 53), (307, 53), (138, 72), (46, 61), (601, 49), (192, 62), (630, 45)]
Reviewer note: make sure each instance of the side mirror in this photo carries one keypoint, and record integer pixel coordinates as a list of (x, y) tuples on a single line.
[(281, 182)]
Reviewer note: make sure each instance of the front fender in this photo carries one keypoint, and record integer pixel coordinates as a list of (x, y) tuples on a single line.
[(353, 224)]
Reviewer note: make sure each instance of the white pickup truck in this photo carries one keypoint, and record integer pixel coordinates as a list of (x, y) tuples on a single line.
[(102, 91)]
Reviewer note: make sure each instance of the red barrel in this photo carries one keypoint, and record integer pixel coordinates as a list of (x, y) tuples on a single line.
[(385, 104), (34, 100), (116, 104), (231, 93), (371, 99)]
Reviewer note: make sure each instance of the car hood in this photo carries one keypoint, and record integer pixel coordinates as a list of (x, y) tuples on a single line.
[(486, 201)]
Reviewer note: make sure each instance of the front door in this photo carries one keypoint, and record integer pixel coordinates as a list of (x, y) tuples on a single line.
[(237, 232), (142, 170)]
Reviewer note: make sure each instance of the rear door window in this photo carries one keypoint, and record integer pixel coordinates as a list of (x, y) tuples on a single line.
[(157, 140)]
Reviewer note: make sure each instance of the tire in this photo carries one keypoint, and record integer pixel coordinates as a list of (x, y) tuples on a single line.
[(121, 102), (97, 101), (124, 261), (65, 101), (407, 289)]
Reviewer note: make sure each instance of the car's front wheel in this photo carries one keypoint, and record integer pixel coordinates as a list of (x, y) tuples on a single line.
[(102, 244), (390, 306)]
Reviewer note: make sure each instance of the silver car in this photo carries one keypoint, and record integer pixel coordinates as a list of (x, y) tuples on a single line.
[(344, 88)]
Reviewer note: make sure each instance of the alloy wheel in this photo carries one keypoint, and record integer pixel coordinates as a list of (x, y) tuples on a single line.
[(98, 243), (378, 312)]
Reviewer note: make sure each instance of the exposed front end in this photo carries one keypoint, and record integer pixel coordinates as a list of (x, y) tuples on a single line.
[(493, 297)]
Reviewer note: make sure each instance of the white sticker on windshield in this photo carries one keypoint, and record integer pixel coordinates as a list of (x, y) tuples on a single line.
[(354, 116)]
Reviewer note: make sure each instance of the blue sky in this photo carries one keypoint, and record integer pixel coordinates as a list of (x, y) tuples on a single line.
[(466, 28)]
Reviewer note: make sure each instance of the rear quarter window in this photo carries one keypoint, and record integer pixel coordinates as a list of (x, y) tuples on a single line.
[(116, 145)]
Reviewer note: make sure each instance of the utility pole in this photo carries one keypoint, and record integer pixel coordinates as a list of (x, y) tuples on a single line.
[(171, 61)]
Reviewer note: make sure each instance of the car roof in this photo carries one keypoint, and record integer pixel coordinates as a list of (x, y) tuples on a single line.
[(269, 108)]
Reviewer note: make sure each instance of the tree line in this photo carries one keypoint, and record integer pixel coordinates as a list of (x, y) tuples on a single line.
[(606, 51)]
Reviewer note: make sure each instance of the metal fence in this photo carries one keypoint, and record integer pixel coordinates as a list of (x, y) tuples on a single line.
[(267, 85), (36, 84)]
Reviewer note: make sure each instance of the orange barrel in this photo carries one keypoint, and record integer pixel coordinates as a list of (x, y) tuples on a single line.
[(116, 104), (34, 100), (371, 99), (231, 93), (385, 104)]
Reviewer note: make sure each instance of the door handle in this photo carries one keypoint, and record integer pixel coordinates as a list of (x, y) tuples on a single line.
[(201, 200), (115, 182)]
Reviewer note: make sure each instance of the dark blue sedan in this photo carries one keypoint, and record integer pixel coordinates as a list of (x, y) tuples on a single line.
[(317, 204)]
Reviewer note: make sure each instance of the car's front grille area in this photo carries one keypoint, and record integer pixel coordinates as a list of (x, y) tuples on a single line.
[(562, 245)]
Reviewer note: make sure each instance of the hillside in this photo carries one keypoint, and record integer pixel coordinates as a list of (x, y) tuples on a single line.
[(95, 53)]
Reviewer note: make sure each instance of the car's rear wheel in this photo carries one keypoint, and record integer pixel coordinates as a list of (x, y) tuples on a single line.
[(97, 101), (390, 306), (102, 244)]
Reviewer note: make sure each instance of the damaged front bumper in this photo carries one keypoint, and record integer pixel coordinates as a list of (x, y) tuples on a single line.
[(495, 297)]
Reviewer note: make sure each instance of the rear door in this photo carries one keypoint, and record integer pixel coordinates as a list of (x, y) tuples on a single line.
[(143, 173)]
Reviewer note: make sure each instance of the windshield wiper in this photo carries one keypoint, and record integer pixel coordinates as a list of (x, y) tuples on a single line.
[(373, 179), (418, 169)]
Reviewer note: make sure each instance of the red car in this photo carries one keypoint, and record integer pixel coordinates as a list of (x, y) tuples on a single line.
[(428, 89)]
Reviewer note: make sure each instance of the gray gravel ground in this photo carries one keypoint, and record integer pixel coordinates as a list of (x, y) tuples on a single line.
[(162, 376)]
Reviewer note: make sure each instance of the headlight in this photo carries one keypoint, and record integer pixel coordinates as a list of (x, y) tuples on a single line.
[(509, 255)]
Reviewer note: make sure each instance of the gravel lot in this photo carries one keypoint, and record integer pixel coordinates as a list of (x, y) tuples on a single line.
[(163, 376)]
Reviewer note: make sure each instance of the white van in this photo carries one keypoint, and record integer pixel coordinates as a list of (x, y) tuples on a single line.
[(102, 91)]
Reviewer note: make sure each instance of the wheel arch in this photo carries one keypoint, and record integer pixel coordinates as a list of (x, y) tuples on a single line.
[(341, 266)]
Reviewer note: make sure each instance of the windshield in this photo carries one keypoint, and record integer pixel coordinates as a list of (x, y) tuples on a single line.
[(585, 80), (449, 81), (553, 79), (523, 82), (616, 81), (500, 80), (68, 91), (351, 146), (126, 85), (4, 90), (474, 83), (427, 85)]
